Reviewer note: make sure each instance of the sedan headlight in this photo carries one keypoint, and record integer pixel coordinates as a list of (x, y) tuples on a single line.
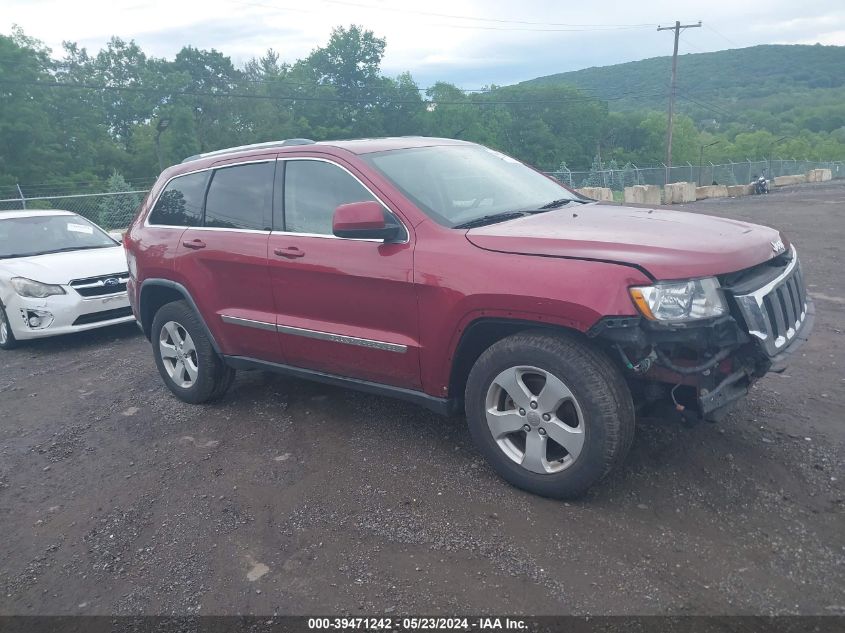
[(678, 301), (35, 289)]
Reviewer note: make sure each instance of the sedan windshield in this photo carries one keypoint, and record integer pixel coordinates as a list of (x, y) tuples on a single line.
[(42, 234), (459, 184)]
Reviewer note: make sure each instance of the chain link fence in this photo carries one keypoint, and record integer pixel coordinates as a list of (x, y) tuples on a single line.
[(111, 211), (114, 211), (743, 172)]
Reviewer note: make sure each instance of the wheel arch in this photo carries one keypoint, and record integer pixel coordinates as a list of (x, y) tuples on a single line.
[(483, 332), (156, 293)]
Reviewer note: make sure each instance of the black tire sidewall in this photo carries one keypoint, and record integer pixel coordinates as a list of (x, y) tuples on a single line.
[(592, 463), (210, 370), (11, 341)]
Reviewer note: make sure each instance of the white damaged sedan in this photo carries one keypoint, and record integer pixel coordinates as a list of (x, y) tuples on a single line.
[(59, 273)]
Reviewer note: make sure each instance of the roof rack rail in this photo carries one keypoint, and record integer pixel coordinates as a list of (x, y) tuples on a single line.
[(240, 148)]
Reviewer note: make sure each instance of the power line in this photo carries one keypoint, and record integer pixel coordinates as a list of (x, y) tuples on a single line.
[(308, 98), (711, 107), (549, 27), (724, 37), (478, 19)]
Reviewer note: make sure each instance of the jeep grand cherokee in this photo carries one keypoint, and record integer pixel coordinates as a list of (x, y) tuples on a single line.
[(456, 277)]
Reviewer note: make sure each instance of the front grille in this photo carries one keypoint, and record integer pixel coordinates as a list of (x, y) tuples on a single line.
[(775, 313), (101, 286), (105, 315)]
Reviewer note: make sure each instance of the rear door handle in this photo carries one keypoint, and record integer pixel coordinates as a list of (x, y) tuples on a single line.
[(194, 244), (291, 252)]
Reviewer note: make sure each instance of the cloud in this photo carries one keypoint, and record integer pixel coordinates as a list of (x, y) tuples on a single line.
[(512, 41)]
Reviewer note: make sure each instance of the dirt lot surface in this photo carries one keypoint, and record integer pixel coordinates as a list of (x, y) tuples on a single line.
[(290, 497)]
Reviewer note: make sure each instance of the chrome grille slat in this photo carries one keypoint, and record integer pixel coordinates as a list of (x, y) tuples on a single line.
[(786, 304), (792, 293), (97, 286), (775, 313), (777, 309)]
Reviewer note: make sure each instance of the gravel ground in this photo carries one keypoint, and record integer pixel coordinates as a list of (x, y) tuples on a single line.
[(290, 497)]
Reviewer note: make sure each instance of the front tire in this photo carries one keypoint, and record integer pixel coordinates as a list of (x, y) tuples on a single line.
[(185, 358), (7, 337), (551, 415)]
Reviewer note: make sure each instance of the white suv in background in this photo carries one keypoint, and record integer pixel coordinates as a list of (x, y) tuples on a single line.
[(59, 273)]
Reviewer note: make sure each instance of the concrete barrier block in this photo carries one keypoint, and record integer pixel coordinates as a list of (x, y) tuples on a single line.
[(711, 191), (679, 192), (633, 195), (818, 175), (643, 194), (734, 191), (597, 193), (651, 194), (785, 181)]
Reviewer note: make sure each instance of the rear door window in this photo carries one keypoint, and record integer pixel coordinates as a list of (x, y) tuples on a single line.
[(180, 204), (241, 197)]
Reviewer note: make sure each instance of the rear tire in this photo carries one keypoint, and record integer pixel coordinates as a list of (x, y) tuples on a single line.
[(551, 415), (185, 358), (7, 337)]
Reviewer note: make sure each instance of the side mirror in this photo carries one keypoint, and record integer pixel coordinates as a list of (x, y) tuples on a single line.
[(363, 221)]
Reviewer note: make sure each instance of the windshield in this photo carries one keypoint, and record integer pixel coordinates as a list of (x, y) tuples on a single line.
[(42, 234), (456, 184)]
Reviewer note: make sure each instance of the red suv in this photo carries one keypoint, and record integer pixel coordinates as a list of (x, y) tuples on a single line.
[(451, 275)]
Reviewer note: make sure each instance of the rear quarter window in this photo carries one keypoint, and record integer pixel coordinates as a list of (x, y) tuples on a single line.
[(180, 204)]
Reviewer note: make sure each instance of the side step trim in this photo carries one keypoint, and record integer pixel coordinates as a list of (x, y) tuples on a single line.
[(316, 334), (258, 325), (443, 406)]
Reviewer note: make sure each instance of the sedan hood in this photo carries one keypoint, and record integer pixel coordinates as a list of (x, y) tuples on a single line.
[(62, 268), (668, 244)]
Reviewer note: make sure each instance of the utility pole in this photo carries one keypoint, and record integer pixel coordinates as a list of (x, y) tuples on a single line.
[(677, 28)]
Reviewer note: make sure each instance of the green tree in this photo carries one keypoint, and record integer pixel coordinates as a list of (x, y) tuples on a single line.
[(115, 211)]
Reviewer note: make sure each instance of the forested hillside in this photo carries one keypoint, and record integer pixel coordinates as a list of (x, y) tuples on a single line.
[(70, 119)]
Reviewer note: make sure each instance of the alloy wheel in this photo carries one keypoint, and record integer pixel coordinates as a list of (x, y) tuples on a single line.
[(535, 419), (178, 354), (4, 328)]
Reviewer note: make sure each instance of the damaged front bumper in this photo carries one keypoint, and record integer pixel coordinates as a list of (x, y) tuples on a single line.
[(702, 367)]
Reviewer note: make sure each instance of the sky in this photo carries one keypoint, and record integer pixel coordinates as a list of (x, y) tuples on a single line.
[(471, 43)]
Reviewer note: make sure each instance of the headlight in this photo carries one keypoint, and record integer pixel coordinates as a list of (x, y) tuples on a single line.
[(35, 289), (680, 300)]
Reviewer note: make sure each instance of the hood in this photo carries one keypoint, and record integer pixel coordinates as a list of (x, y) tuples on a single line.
[(62, 268), (668, 244)]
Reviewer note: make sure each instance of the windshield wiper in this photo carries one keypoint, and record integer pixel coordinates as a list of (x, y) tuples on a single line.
[(74, 248), (555, 204), (493, 218), (14, 255)]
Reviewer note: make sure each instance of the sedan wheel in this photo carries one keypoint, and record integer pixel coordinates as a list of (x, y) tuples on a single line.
[(4, 328), (7, 337), (178, 354)]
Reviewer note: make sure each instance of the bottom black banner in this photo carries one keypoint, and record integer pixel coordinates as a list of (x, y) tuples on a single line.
[(494, 624)]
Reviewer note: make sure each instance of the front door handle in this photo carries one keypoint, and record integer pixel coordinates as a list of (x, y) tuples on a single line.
[(291, 252), (194, 244)]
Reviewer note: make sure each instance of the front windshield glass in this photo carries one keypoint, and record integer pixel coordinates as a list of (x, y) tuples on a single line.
[(42, 234), (456, 184)]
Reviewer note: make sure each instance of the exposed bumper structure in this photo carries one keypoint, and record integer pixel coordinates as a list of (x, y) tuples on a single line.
[(711, 365), (735, 386)]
